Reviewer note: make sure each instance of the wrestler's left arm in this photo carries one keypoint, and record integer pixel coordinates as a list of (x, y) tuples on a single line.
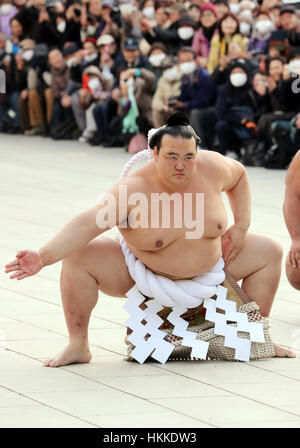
[(236, 186)]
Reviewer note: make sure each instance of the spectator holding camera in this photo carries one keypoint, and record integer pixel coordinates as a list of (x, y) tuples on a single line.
[(134, 104), (166, 93), (220, 74)]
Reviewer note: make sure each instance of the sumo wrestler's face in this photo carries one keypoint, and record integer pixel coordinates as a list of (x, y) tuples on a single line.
[(176, 160)]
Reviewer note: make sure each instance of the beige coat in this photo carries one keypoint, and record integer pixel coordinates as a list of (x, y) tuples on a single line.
[(165, 89)]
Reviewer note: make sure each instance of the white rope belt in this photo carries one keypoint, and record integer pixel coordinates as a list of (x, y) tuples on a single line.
[(180, 295)]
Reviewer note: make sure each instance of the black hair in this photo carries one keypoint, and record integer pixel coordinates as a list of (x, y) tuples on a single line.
[(177, 125), (233, 17)]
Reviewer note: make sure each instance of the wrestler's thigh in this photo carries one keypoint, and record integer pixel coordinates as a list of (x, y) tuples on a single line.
[(104, 260), (257, 252)]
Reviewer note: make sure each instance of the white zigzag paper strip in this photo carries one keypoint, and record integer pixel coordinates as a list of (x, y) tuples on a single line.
[(242, 346)]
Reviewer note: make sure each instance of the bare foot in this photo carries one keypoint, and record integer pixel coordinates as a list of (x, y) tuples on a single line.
[(71, 354), (282, 352)]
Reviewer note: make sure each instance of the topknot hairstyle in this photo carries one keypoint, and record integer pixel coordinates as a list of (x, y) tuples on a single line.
[(177, 125)]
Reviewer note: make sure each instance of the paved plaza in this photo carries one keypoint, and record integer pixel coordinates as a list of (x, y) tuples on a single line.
[(43, 184)]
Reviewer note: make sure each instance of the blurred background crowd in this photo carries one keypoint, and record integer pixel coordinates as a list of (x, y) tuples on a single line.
[(105, 72)]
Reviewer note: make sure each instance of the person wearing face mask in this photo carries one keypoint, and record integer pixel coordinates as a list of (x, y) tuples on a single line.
[(234, 6), (166, 28), (221, 72), (246, 22), (186, 30), (228, 32), (157, 55), (148, 10), (30, 103), (279, 110), (261, 32), (238, 106), (95, 90), (197, 93), (168, 89), (7, 11), (134, 102), (89, 55), (208, 29)]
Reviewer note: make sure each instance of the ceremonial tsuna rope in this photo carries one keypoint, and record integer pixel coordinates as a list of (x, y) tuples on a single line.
[(180, 295)]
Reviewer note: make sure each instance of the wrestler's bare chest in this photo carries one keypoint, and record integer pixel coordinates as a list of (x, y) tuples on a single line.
[(179, 236)]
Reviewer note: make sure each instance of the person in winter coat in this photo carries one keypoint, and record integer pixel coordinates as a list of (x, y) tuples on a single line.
[(239, 104), (261, 32), (228, 32), (168, 89), (208, 29), (197, 93)]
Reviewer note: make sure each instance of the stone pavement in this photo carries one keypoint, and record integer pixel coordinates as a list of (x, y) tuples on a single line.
[(43, 184)]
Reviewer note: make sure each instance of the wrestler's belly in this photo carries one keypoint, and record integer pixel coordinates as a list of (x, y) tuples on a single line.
[(182, 258)]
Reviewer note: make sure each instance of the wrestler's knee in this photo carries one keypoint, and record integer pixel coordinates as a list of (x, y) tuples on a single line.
[(273, 250), (293, 276), (78, 257)]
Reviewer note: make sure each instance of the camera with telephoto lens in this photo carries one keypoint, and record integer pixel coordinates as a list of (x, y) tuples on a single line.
[(172, 101), (77, 11)]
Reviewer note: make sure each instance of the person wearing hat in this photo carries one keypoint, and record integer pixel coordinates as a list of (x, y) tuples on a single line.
[(289, 22), (186, 29), (30, 101), (156, 56), (168, 89), (208, 29), (110, 57), (239, 104), (132, 57), (95, 91), (82, 58)]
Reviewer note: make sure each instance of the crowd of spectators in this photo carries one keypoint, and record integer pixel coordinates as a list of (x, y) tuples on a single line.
[(105, 72)]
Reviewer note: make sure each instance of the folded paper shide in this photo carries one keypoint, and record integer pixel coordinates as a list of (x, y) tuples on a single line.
[(207, 316)]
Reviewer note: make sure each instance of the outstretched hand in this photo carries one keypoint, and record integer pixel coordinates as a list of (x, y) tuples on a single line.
[(26, 264), (232, 243)]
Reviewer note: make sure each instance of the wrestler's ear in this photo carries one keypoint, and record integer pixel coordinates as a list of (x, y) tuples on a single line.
[(155, 153)]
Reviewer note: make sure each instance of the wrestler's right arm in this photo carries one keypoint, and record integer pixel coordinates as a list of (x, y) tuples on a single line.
[(291, 209), (73, 236)]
